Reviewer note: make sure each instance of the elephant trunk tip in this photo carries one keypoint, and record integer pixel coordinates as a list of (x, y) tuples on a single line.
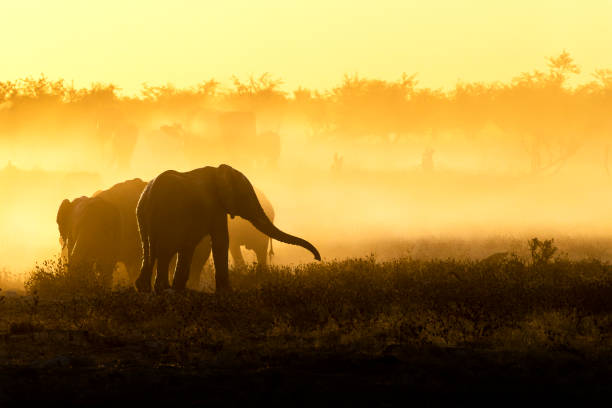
[(315, 252)]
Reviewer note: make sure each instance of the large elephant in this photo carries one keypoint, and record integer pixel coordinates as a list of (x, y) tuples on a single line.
[(176, 210), (90, 230), (241, 233), (124, 196)]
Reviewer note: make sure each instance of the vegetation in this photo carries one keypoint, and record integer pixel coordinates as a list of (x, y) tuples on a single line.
[(359, 329), (538, 112), (498, 302)]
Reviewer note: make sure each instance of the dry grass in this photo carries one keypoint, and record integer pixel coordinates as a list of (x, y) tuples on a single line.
[(504, 301)]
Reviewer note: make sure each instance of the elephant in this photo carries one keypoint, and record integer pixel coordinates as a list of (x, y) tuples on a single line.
[(123, 141), (124, 196), (177, 209), (90, 230), (241, 232), (268, 147)]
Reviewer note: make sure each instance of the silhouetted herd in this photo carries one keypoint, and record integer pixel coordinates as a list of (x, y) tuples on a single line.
[(144, 225)]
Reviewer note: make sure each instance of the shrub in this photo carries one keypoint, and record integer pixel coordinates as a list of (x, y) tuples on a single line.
[(54, 279)]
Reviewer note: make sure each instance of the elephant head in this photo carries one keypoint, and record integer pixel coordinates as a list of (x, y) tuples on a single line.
[(89, 234), (237, 196), (65, 221)]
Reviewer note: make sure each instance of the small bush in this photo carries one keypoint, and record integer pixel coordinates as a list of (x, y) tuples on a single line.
[(541, 251), (54, 279)]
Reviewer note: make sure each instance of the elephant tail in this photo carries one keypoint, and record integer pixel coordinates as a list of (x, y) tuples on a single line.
[(271, 253)]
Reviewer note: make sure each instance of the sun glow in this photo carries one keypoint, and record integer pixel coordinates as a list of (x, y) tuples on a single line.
[(306, 43)]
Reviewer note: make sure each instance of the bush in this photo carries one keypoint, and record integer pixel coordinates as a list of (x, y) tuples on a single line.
[(54, 279)]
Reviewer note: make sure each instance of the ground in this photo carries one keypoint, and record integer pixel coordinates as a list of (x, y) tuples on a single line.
[(356, 332), (97, 371)]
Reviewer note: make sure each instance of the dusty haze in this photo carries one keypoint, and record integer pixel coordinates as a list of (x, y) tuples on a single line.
[(368, 166)]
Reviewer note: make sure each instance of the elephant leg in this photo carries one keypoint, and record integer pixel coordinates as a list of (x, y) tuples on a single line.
[(143, 282), (172, 267), (163, 264), (236, 254), (261, 250), (132, 270), (199, 259), (105, 270), (183, 266), (220, 246), (149, 249)]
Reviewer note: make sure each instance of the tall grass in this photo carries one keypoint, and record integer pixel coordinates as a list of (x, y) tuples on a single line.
[(504, 301)]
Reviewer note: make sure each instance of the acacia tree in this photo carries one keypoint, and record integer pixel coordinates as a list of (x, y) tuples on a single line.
[(539, 109)]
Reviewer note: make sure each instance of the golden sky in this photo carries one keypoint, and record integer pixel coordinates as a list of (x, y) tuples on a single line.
[(309, 43)]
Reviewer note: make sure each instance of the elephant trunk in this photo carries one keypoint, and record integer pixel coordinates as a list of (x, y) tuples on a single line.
[(263, 224)]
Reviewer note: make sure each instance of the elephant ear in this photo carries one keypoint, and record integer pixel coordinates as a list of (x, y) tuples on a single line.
[(236, 193), (63, 218), (226, 183)]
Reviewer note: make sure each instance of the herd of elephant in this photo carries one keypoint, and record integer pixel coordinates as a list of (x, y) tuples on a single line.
[(144, 225)]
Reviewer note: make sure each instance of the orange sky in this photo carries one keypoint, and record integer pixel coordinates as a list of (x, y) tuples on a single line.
[(309, 43)]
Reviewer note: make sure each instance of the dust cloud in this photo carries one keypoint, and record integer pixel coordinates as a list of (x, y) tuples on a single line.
[(371, 166)]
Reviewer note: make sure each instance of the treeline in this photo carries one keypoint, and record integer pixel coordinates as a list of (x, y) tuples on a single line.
[(539, 107)]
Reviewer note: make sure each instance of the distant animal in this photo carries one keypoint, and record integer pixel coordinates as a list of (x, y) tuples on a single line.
[(336, 166), (427, 162), (496, 258), (123, 141), (120, 134), (176, 210), (90, 231), (267, 149)]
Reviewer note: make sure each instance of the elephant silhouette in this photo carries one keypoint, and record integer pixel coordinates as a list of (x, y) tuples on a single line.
[(177, 209), (124, 197), (90, 231)]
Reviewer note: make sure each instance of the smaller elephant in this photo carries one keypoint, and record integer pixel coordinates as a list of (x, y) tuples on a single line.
[(90, 229), (241, 233)]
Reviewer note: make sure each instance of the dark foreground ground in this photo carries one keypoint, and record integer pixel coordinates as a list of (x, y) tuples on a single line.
[(96, 371), (496, 332)]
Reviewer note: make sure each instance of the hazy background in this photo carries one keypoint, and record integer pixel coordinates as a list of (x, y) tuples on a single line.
[(399, 130)]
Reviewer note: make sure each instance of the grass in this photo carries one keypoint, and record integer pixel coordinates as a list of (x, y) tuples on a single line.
[(359, 329), (505, 302)]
